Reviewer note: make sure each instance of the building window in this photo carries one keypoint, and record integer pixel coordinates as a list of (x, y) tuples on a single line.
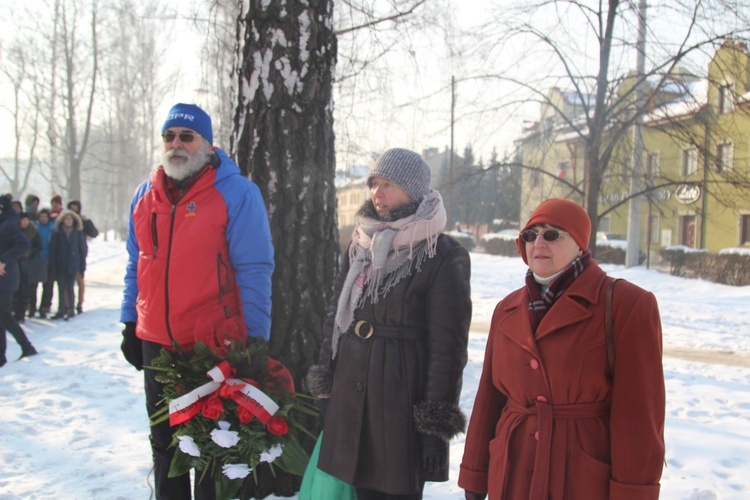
[(625, 169), (726, 99), (653, 228), (535, 178), (688, 231), (653, 165), (745, 230), (724, 157), (689, 161), (605, 224)]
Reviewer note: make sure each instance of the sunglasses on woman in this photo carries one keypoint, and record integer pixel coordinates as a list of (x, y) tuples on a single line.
[(169, 136), (529, 236)]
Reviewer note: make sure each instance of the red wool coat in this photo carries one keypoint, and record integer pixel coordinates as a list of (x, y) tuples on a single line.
[(547, 422)]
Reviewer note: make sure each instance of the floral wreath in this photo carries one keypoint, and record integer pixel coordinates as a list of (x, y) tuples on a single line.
[(244, 415)]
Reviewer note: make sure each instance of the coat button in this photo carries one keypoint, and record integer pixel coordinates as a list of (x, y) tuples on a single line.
[(534, 364), (536, 435), (541, 399), (358, 386)]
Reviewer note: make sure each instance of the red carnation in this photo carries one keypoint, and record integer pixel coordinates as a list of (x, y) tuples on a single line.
[(226, 390), (213, 408), (278, 426), (244, 415)]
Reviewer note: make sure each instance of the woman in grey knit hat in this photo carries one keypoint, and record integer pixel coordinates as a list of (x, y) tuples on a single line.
[(390, 368)]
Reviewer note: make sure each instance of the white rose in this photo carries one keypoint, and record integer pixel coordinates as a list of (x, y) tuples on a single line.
[(271, 454), (236, 471), (224, 437), (188, 446)]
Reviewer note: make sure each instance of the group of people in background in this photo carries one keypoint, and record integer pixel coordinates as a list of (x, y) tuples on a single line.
[(43, 246)]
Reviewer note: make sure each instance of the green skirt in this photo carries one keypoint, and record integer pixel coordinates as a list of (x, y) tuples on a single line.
[(318, 485)]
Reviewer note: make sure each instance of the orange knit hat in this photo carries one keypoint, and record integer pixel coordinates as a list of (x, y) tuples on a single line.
[(564, 214)]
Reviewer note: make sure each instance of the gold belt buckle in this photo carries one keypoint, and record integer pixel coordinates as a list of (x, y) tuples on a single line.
[(359, 325)]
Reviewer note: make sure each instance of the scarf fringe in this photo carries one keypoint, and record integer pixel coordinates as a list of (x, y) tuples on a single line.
[(379, 257)]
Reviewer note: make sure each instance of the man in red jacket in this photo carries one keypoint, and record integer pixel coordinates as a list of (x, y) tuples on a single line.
[(200, 259)]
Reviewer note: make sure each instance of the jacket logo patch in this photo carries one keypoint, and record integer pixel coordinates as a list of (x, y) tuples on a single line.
[(191, 209)]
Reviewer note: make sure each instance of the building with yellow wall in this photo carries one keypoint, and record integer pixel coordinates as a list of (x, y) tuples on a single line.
[(696, 173)]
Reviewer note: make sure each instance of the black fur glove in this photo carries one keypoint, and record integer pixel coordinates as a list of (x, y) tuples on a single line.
[(323, 411), (131, 346), (434, 453)]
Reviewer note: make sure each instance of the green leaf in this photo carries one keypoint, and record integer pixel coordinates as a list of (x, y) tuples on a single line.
[(294, 459), (302, 428), (226, 488), (181, 464)]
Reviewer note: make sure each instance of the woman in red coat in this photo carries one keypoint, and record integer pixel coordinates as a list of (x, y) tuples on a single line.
[(550, 421)]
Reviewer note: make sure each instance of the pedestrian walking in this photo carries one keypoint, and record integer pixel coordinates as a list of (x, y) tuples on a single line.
[(13, 244)]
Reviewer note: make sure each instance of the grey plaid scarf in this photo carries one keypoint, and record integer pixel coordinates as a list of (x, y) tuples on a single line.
[(381, 255)]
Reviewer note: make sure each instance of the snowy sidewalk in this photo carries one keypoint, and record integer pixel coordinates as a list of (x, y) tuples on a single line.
[(74, 424)]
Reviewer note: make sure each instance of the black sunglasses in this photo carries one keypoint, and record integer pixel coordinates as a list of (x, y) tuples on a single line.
[(169, 136), (529, 236)]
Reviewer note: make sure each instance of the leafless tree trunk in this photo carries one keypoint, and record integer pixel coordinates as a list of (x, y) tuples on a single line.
[(122, 145), (78, 102), (284, 142), (594, 163), (95, 75), (19, 66)]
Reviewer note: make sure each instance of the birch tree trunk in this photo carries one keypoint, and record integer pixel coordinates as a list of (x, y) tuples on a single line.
[(283, 140)]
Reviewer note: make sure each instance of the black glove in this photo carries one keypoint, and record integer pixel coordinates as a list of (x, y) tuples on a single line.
[(323, 410), (434, 453), (131, 346), (470, 495)]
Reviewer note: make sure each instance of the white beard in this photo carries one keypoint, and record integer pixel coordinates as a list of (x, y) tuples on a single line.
[(179, 164)]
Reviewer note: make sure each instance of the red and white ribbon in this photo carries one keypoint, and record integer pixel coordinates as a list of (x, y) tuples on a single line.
[(254, 400), (185, 407)]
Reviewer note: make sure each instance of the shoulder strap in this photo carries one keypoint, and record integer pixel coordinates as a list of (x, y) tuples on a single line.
[(609, 327)]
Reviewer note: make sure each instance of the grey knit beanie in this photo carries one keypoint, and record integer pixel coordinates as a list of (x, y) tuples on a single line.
[(404, 168)]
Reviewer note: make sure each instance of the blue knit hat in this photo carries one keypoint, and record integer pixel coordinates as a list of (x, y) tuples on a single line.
[(192, 117)]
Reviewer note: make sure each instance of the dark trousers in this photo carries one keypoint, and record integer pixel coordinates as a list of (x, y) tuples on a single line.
[(66, 283), (365, 494), (32, 305), (48, 289), (171, 488), (9, 324), (23, 297), (81, 288)]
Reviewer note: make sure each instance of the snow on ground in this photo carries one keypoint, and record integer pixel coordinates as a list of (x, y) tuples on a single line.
[(74, 424)]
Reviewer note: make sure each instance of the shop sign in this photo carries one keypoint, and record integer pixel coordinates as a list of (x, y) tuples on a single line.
[(687, 193)]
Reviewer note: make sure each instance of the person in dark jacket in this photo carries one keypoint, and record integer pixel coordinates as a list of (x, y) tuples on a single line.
[(46, 228), (67, 259), (90, 231), (57, 206), (29, 264), (395, 345), (31, 206), (13, 244), (566, 408)]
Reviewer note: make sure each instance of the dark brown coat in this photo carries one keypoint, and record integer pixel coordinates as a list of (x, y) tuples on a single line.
[(594, 451), (371, 434)]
